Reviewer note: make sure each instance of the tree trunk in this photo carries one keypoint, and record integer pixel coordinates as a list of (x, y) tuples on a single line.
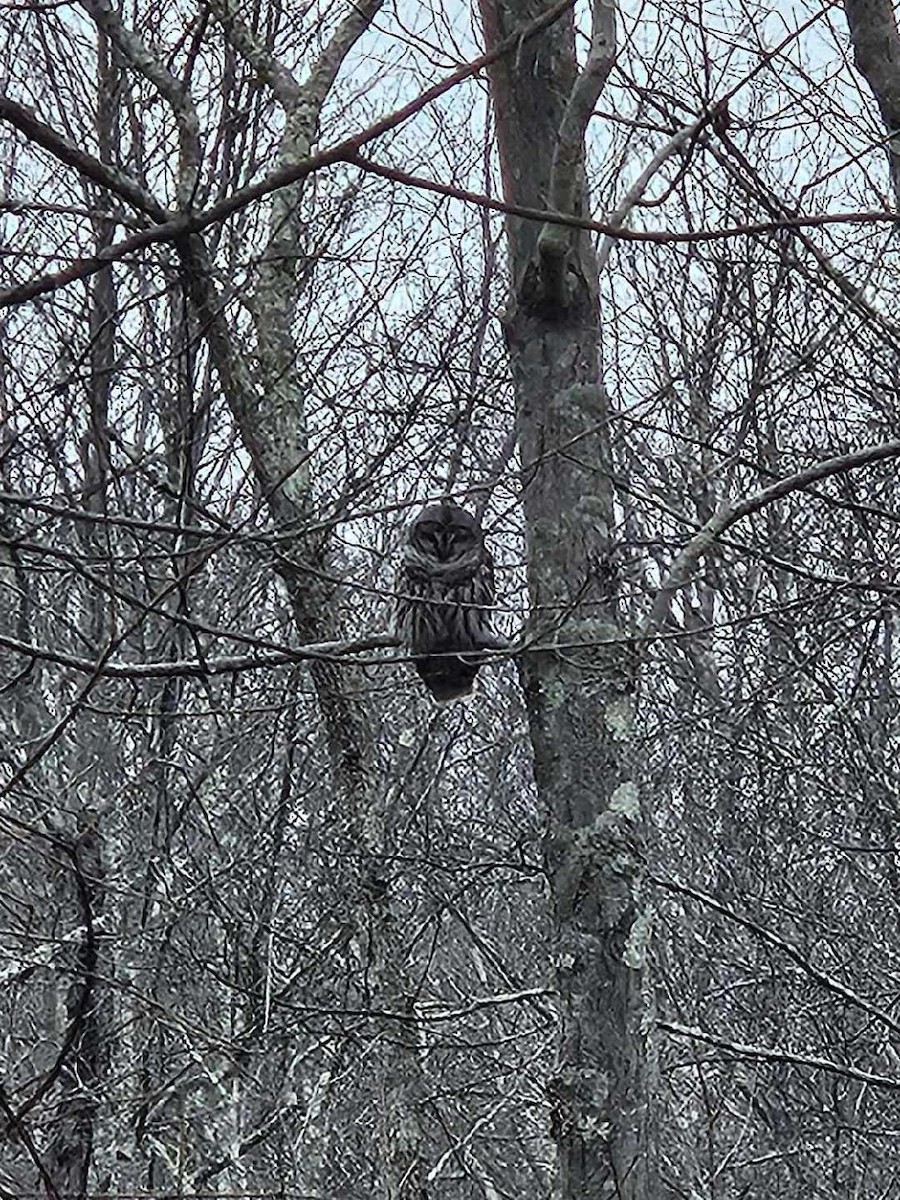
[(69, 1154), (272, 420), (578, 684), (876, 49)]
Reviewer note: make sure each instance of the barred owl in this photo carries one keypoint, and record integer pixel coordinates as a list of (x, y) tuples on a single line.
[(445, 589)]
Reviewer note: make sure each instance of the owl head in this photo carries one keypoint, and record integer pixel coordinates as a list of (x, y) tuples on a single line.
[(445, 532)]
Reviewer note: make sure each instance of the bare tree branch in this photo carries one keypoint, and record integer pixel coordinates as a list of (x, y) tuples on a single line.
[(267, 67), (772, 939), (620, 213), (703, 542), (173, 90), (764, 1054), (202, 668), (567, 177), (118, 182), (347, 152)]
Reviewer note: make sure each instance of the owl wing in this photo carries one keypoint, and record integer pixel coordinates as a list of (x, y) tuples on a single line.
[(485, 590), (485, 595), (402, 600), (481, 599)]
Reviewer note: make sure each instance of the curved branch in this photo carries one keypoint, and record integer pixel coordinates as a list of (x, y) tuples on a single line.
[(704, 541), (619, 215)]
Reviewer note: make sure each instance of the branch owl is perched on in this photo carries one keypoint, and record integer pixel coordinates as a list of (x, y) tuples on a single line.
[(445, 590)]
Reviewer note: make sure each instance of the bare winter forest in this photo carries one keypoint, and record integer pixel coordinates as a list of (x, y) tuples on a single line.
[(624, 282)]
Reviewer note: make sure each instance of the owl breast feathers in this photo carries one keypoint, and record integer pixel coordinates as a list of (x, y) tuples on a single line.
[(445, 592)]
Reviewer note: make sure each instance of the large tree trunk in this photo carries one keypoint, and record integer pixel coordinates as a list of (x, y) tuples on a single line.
[(578, 684)]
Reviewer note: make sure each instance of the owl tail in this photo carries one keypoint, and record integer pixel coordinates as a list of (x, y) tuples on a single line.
[(447, 676)]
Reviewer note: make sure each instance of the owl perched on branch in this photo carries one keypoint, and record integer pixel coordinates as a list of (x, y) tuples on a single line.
[(445, 591)]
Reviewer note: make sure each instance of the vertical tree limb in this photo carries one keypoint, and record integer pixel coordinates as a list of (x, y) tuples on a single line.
[(876, 48), (567, 173), (78, 1069)]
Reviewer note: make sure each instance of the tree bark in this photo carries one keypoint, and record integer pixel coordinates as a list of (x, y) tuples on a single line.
[(79, 1066), (876, 49), (579, 695)]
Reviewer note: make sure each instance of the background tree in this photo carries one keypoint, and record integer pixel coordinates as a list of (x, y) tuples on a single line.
[(274, 925)]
